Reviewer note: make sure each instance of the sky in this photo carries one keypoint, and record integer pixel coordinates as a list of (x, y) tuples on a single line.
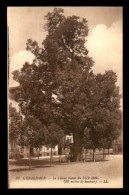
[(104, 41)]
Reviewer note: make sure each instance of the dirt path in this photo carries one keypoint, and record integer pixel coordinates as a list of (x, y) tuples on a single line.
[(74, 175)]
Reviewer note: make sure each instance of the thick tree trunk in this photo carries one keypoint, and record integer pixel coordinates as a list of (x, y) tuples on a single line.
[(77, 147)]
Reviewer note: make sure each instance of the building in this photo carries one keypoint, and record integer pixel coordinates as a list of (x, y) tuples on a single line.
[(118, 145)]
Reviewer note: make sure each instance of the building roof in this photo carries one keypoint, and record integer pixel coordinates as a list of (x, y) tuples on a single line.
[(13, 91)]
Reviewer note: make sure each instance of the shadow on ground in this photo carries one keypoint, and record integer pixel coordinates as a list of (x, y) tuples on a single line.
[(21, 169), (35, 163), (26, 162)]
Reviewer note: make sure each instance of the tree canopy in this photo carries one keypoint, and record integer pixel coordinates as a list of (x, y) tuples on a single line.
[(60, 89)]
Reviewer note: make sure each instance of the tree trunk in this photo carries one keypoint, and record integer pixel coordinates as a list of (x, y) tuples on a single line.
[(59, 158), (103, 153), (77, 147), (51, 157), (39, 154), (14, 149), (30, 160), (93, 155)]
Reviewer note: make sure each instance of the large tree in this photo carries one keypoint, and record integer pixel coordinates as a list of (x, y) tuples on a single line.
[(72, 72), (59, 86), (31, 134), (105, 123), (53, 136)]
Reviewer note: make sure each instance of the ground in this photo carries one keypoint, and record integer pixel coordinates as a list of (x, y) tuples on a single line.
[(101, 174)]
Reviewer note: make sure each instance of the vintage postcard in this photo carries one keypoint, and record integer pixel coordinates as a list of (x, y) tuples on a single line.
[(65, 125)]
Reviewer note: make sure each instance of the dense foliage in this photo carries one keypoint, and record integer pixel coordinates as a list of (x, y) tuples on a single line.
[(60, 90)]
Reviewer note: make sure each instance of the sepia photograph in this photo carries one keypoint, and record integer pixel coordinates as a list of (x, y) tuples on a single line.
[(65, 97)]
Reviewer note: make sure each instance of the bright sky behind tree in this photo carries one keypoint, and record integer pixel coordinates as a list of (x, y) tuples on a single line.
[(104, 41)]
